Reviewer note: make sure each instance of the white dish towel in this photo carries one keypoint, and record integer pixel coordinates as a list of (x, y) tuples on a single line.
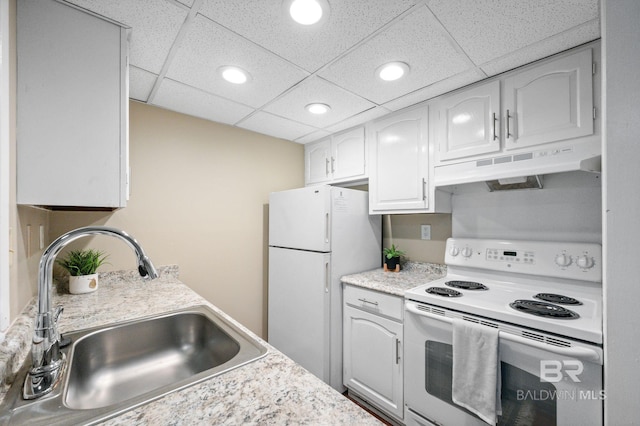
[(476, 369)]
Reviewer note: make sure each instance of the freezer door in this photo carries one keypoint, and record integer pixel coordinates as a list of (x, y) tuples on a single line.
[(299, 218), (299, 307)]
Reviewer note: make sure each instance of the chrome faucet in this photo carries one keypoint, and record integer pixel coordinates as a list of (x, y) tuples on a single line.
[(48, 361)]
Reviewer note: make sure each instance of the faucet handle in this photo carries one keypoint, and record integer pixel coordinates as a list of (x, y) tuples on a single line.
[(57, 313)]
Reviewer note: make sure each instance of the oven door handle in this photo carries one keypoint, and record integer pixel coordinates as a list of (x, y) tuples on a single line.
[(585, 354)]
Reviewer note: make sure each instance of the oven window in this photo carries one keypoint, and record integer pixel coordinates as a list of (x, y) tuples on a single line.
[(525, 399)]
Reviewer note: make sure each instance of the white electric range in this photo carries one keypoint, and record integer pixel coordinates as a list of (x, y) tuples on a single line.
[(545, 298)]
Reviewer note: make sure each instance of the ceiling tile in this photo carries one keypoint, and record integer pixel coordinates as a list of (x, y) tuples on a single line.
[(140, 83), (418, 39), (207, 46), (312, 137), (549, 46), (269, 124), (363, 117), (268, 24), (187, 100), (155, 25), (316, 90), (489, 29), (436, 89)]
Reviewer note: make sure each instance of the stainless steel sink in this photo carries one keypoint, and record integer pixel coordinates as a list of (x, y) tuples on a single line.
[(120, 366)]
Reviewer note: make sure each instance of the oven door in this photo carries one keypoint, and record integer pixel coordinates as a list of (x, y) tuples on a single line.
[(569, 394)]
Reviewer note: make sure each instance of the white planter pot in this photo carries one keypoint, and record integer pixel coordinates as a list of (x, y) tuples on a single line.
[(83, 284)]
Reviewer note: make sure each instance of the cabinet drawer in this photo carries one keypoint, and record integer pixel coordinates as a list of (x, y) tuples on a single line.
[(374, 301)]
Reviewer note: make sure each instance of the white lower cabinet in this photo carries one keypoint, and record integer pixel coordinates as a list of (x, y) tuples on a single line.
[(373, 342)]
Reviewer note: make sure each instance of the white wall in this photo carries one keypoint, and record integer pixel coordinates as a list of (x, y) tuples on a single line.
[(621, 207), (568, 208)]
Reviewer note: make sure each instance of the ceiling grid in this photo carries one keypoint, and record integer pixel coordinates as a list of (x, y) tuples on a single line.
[(178, 46)]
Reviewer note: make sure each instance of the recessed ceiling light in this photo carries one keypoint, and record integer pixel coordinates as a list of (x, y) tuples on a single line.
[(392, 71), (234, 75), (306, 12), (318, 108)]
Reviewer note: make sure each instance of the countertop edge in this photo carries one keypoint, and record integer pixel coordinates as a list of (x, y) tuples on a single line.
[(410, 276), (270, 390)]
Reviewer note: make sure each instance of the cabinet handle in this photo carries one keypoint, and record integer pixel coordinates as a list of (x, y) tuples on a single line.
[(424, 191), (397, 351), (333, 160), (508, 120), (367, 301), (326, 167), (495, 135)]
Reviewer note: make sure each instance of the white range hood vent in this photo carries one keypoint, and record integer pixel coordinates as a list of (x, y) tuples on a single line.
[(522, 182), (531, 164)]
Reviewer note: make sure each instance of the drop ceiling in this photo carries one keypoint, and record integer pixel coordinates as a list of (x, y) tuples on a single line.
[(176, 48)]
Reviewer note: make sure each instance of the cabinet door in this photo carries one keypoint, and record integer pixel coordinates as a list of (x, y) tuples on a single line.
[(317, 163), (399, 162), (469, 122), (348, 153), (72, 110), (373, 359), (550, 103)]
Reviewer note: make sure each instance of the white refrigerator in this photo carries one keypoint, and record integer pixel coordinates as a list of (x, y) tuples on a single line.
[(316, 235)]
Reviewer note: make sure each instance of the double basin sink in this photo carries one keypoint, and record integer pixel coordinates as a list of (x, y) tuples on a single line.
[(114, 368)]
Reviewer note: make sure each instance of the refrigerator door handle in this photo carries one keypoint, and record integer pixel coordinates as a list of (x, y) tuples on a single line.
[(326, 277), (326, 227)]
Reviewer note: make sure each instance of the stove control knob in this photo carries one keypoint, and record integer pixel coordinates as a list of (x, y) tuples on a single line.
[(454, 251), (467, 252), (563, 260), (585, 262)]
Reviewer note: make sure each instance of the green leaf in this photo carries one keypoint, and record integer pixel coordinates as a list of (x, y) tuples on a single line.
[(82, 262)]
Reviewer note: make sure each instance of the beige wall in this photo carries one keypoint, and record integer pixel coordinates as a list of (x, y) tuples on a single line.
[(24, 273), (199, 195), (405, 232)]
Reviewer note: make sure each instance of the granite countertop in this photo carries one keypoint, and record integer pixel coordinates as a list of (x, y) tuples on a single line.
[(411, 275), (270, 390)]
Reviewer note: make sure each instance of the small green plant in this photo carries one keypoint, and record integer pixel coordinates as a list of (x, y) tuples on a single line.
[(392, 252), (82, 262)]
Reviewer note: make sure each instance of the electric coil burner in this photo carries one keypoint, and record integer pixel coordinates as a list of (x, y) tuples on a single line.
[(466, 285), (525, 283), (442, 291), (543, 309), (557, 298)]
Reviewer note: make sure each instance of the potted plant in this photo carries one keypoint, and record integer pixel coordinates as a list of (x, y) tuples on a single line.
[(82, 265), (392, 258)]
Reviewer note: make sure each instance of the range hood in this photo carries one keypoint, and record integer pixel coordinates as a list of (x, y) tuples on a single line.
[(521, 165)]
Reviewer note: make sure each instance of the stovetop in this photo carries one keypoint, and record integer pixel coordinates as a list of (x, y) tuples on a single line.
[(565, 284)]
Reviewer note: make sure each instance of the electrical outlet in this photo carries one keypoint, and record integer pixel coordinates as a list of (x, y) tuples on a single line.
[(425, 232), (28, 240), (41, 239)]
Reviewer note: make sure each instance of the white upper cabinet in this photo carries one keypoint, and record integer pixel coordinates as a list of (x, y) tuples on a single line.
[(72, 107), (550, 102), (399, 162), (544, 103), (338, 159), (469, 122), (317, 162), (348, 155)]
